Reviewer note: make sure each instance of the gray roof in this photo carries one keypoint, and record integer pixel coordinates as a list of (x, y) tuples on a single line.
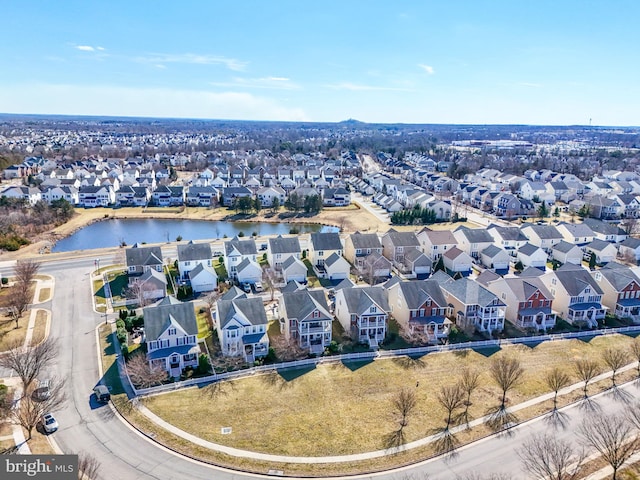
[(346, 283), (233, 292), (476, 235), (199, 269), (564, 247), (598, 245), (604, 228), (358, 300), (439, 237), (249, 311), (415, 256), (631, 242), (487, 276), (326, 241), (528, 249), (416, 293), (137, 255), (158, 318), (575, 278), (245, 247), (470, 292), (245, 263), (620, 276), (301, 303), (282, 244), (524, 288), (194, 251), (509, 233), (333, 258), (402, 239), (157, 277), (492, 250), (578, 229), (365, 240), (544, 232), (292, 286)]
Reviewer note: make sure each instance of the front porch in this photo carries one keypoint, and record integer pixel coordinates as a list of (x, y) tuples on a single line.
[(586, 314), (537, 319), (628, 308)]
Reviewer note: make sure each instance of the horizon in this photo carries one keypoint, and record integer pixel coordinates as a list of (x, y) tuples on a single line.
[(501, 63)]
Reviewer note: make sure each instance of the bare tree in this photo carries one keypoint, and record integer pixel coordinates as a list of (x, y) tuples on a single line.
[(88, 466), (481, 476), (556, 379), (613, 436), (268, 280), (586, 370), (30, 409), (18, 303), (138, 291), (451, 398), (25, 272), (634, 350), (469, 382), (218, 389), (548, 458), (403, 403), (143, 374), (287, 349), (507, 373), (615, 360), (29, 362)]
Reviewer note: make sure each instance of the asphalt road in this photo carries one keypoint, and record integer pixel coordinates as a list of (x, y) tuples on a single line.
[(125, 454)]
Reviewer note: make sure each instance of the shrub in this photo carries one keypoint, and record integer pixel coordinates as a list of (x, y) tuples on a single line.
[(179, 238), (122, 314), (121, 335), (203, 364), (138, 321), (240, 234), (333, 346), (125, 351), (294, 230), (5, 280), (128, 324), (271, 356), (120, 324)]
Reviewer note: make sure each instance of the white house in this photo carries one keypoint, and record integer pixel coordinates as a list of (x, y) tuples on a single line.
[(203, 278), (294, 269), (565, 252), (532, 256), (190, 255), (171, 334), (241, 324), (248, 271), (456, 261), (362, 312), (335, 268), (306, 319)]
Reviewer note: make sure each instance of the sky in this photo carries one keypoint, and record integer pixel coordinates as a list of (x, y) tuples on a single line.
[(560, 62)]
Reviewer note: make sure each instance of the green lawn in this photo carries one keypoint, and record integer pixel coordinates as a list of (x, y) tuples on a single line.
[(221, 271)]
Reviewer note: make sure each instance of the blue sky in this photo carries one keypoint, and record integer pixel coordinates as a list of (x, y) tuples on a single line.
[(536, 62)]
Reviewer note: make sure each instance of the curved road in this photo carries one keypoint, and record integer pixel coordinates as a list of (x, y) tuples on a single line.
[(125, 454)]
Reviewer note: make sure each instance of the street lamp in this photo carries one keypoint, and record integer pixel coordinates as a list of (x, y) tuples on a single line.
[(96, 263)]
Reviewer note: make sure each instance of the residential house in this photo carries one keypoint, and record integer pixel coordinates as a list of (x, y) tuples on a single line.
[(191, 255), (335, 267), (532, 256), (322, 246), (204, 196), (629, 250), (496, 259), (435, 243), (171, 334), (203, 278), (543, 236), (621, 290), (472, 241), (267, 195), (281, 248), (577, 233), (140, 259), (606, 231), (375, 268), (236, 251), (508, 238), (230, 194), (420, 309), (457, 263), (577, 295), (604, 252), (248, 271), (528, 301), (293, 269), (90, 197), (149, 287), (241, 324), (565, 252), (416, 264), (358, 246), (363, 312), (396, 244), (306, 319), (473, 305), (336, 197)]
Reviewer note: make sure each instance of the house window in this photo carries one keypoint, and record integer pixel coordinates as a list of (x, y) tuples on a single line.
[(553, 281), (372, 310), (172, 331), (316, 314)]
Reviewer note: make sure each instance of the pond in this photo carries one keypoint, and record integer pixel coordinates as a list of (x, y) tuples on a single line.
[(115, 232)]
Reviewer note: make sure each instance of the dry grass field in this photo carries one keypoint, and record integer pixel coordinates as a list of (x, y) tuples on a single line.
[(344, 409)]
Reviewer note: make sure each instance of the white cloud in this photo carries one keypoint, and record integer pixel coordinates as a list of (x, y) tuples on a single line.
[(101, 49), (85, 48), (195, 59), (160, 66), (428, 69), (271, 83), (146, 102), (356, 87)]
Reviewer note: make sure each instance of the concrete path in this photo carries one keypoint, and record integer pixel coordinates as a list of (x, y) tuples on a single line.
[(18, 435)]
